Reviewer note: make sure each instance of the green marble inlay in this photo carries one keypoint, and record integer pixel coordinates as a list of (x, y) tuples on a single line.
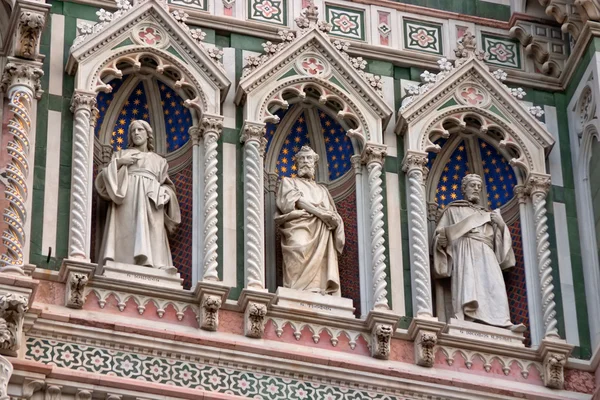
[(495, 110), (451, 102), (126, 42), (291, 72), (335, 81)]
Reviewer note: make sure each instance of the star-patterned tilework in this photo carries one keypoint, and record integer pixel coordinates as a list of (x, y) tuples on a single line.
[(135, 107), (104, 100), (500, 178), (338, 146), (177, 117), (271, 128), (296, 138), (457, 166)]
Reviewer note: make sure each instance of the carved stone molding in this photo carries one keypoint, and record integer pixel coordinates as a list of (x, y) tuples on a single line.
[(12, 311), (210, 297), (414, 160), (255, 305), (424, 332), (6, 370), (30, 387), (83, 395)]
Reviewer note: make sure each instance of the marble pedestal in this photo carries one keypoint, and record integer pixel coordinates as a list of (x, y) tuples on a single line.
[(484, 333), (146, 275), (314, 302)]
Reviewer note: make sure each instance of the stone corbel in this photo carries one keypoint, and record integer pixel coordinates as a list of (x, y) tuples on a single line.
[(83, 394), (30, 387), (14, 303), (382, 325), (210, 297), (76, 275), (255, 305), (28, 21), (6, 370), (554, 354), (53, 392), (424, 332)]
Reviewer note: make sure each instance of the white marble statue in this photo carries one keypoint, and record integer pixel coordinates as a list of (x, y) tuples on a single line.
[(312, 231), (473, 246), (143, 205)]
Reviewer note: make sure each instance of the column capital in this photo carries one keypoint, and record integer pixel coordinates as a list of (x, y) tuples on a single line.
[(194, 133), (521, 193), (83, 99), (22, 72), (414, 160), (538, 183), (356, 164), (212, 123), (253, 131), (374, 153)]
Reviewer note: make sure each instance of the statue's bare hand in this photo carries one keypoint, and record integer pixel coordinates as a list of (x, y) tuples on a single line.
[(497, 219), (127, 160), (442, 240), (330, 219)]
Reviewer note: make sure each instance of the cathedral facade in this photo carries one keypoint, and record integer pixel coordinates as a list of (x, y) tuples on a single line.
[(299, 199)]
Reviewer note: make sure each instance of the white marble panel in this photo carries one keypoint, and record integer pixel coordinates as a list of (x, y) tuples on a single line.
[(229, 215), (565, 273), (554, 158), (229, 109), (51, 180), (389, 137), (395, 243), (57, 37)]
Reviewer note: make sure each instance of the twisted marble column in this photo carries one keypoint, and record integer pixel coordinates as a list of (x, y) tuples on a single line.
[(21, 81), (6, 370), (254, 148), (414, 165), (211, 127), (83, 105), (373, 157), (538, 187)]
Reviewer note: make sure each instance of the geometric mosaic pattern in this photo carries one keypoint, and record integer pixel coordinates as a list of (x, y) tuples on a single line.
[(197, 4), (516, 288), (273, 11), (422, 36), (149, 368), (501, 51), (448, 188), (346, 22), (338, 146), (178, 119), (500, 179)]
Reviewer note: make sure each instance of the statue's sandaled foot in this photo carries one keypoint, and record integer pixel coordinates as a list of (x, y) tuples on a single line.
[(520, 328)]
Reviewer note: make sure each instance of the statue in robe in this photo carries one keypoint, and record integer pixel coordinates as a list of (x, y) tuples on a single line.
[(143, 205), (312, 231), (472, 246)]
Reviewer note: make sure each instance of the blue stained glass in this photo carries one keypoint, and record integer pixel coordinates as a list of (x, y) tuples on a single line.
[(296, 138), (500, 179), (457, 166), (337, 145), (135, 107), (178, 118), (104, 100), (271, 128)]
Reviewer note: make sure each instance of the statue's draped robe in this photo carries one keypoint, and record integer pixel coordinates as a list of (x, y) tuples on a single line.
[(143, 206), (476, 254), (310, 250)]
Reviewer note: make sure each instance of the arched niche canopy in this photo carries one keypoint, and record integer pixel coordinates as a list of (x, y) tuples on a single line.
[(307, 69)]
